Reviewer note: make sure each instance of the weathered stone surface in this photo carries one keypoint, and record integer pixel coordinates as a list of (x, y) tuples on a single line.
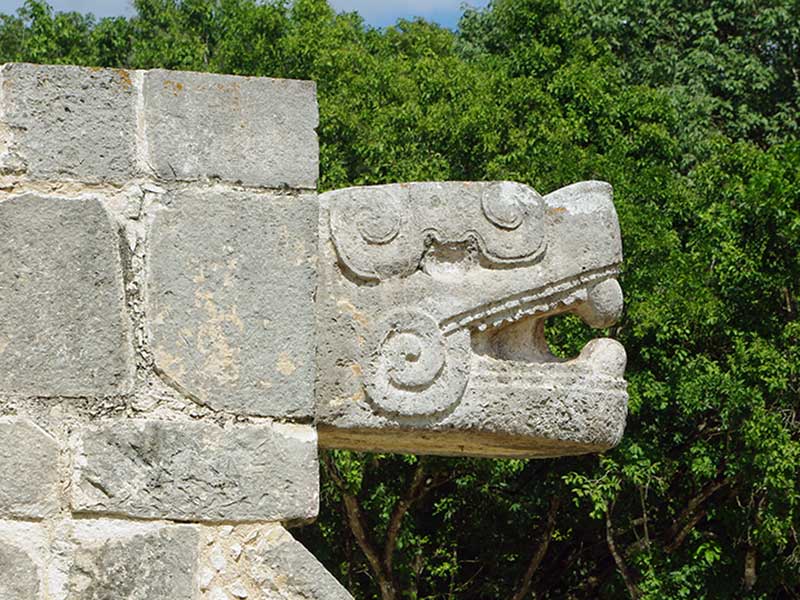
[(152, 565), (29, 478), (197, 471), (63, 326), (281, 567), (431, 310), (248, 130), (19, 576), (230, 292), (261, 561), (60, 122)]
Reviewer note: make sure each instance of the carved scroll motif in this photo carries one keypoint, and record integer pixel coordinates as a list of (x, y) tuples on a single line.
[(383, 231), (414, 369)]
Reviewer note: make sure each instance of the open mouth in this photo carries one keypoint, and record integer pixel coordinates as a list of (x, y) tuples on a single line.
[(510, 336)]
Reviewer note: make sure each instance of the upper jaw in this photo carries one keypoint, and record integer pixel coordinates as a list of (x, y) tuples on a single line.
[(520, 336), (505, 309)]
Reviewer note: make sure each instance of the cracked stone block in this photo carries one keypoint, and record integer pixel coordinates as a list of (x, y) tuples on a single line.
[(29, 478), (63, 122), (249, 130), (19, 579), (231, 300), (281, 567), (192, 471), (64, 330), (142, 564)]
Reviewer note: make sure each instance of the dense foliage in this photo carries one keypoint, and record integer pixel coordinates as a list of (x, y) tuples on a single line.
[(691, 109)]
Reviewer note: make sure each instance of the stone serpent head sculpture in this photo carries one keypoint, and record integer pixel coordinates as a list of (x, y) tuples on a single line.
[(431, 307)]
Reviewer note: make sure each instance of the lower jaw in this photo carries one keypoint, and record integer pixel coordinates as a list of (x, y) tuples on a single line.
[(542, 410), (508, 410)]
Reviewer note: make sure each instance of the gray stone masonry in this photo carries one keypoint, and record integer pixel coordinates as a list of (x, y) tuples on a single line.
[(158, 247), (152, 565), (60, 123), (105, 559), (189, 471), (20, 578), (281, 567), (29, 478), (231, 300), (249, 130), (63, 326), (182, 318)]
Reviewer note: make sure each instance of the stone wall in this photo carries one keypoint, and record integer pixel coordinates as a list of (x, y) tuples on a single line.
[(158, 237), (181, 316)]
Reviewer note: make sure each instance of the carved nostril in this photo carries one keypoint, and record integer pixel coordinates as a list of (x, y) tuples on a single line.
[(502, 206)]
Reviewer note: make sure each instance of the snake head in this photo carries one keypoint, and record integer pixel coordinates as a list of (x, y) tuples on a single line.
[(431, 308)]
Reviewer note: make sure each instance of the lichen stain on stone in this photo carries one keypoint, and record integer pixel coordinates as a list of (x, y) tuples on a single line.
[(221, 357), (347, 307), (285, 364), (125, 77), (169, 364), (175, 86), (4, 342)]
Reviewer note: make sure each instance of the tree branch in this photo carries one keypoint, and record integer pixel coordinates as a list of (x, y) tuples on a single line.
[(633, 590), (541, 549), (691, 515), (358, 526), (414, 492)]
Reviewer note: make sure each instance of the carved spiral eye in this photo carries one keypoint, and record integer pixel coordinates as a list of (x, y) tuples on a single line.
[(503, 206), (413, 350), (379, 223), (414, 369)]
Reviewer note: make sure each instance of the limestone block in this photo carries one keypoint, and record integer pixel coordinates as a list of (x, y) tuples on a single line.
[(432, 305), (191, 471), (60, 122), (114, 560), (29, 477), (250, 130), (261, 561), (230, 293), (24, 557), (21, 579), (63, 326), (281, 567)]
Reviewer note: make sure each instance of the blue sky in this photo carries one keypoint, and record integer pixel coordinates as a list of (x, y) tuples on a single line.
[(376, 12)]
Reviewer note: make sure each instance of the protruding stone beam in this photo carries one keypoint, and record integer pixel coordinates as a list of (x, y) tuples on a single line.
[(431, 310)]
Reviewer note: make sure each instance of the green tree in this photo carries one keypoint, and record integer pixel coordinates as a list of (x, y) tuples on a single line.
[(690, 109)]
